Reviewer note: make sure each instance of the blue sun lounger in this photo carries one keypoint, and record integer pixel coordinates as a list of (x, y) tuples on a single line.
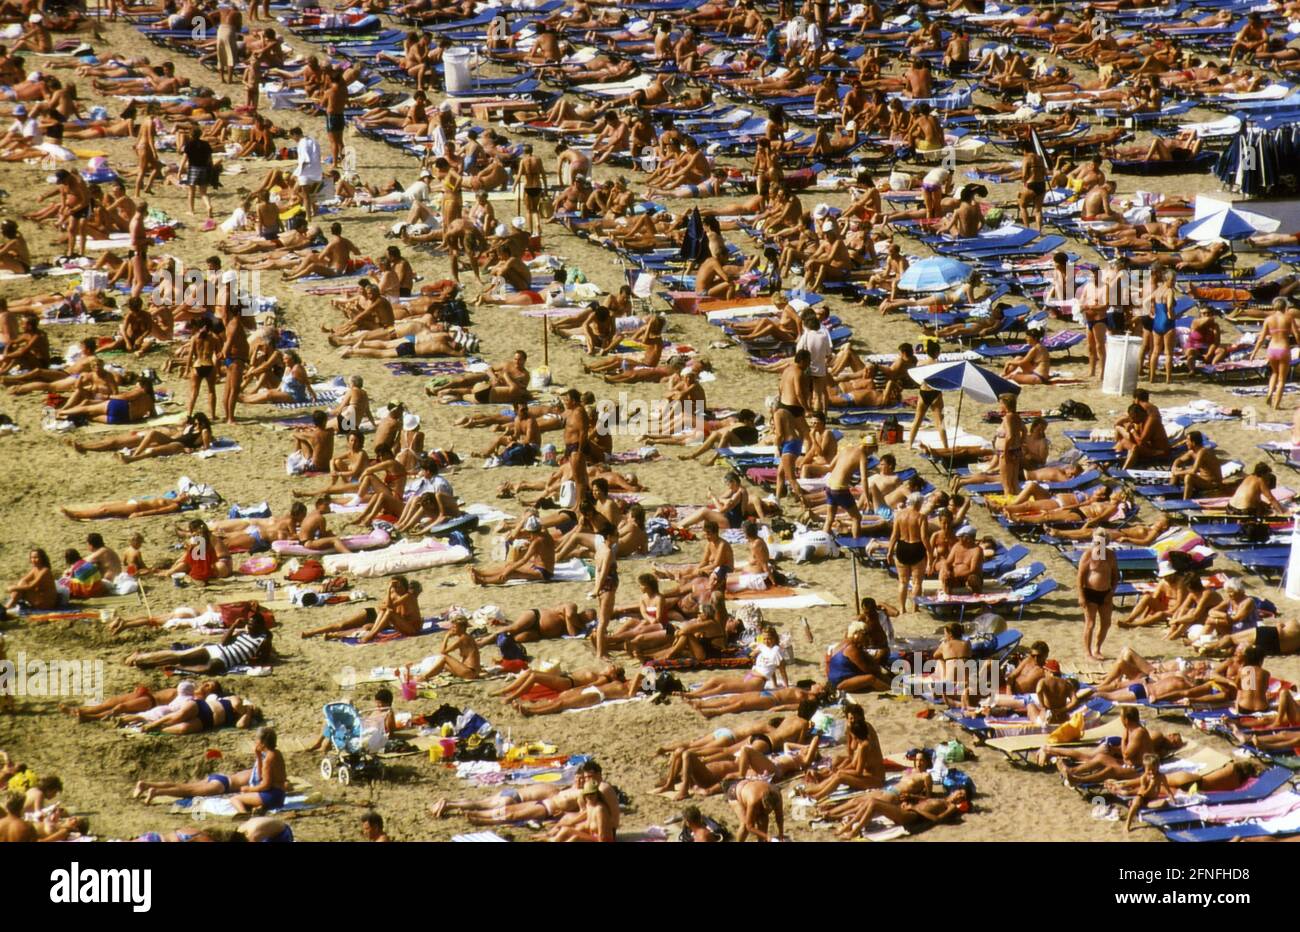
[(1219, 833), (1262, 787)]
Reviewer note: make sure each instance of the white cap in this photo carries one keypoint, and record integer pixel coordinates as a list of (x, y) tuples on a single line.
[(426, 174), (821, 210), (519, 223), (851, 126), (410, 421), (532, 524), (1165, 570), (1234, 585), (828, 226), (966, 530)]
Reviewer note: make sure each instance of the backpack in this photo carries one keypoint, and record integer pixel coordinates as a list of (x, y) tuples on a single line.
[(1076, 411)]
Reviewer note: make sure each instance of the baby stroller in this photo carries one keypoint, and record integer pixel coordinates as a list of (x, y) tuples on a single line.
[(355, 745)]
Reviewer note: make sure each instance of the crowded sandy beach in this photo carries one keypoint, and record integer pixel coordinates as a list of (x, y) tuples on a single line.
[(648, 422)]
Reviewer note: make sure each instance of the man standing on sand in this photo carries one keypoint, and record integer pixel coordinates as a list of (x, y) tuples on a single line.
[(1098, 577), (308, 173), (229, 24), (335, 102), (532, 183), (235, 351), (139, 249), (850, 460)]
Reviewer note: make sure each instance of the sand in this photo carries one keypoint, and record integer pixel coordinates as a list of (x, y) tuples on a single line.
[(98, 765)]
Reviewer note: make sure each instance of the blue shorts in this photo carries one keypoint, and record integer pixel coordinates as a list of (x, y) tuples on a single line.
[(273, 799), (840, 498), (1139, 692), (222, 779), (792, 447), (118, 411), (285, 835)]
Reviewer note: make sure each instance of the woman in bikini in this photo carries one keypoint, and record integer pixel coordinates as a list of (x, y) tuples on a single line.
[(929, 400), (1009, 444), (1279, 327), (1035, 366)]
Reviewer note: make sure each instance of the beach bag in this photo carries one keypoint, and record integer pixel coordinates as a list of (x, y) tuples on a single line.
[(308, 571), (1076, 411), (568, 493), (510, 648), (518, 454), (955, 780)]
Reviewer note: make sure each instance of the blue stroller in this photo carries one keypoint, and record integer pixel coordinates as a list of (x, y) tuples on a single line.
[(355, 743)]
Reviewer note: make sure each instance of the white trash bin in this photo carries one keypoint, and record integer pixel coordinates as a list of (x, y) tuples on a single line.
[(1123, 362), (455, 66)]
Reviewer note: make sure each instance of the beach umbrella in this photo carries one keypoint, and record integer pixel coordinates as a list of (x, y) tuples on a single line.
[(1228, 224), (934, 274), (966, 378)]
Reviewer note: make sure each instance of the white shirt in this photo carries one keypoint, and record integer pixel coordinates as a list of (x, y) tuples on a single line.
[(309, 169), (767, 662), (818, 344), (437, 485), (29, 129)]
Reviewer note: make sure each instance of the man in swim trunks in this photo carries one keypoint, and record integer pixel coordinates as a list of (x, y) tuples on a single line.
[(850, 460), (908, 549), (1098, 576)]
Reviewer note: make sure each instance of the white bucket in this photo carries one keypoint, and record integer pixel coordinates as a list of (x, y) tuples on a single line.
[(455, 68), (1123, 359)]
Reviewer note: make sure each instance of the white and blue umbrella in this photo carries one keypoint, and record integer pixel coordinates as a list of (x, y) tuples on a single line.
[(966, 377), (1228, 224), (934, 274)]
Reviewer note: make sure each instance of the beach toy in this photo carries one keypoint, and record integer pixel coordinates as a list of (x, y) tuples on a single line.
[(257, 566)]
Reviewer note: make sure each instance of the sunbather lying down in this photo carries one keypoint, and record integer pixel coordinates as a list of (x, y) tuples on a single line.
[(620, 687)]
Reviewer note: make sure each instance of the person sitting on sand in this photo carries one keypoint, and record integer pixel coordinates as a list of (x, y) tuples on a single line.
[(457, 641), (36, 590), (399, 610), (268, 784), (535, 563)]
